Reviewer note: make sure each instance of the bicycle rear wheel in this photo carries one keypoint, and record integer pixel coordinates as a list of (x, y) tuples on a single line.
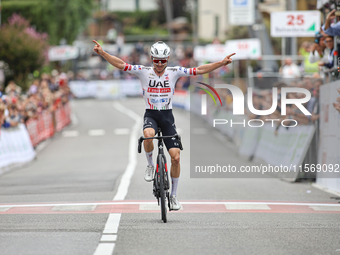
[(161, 171)]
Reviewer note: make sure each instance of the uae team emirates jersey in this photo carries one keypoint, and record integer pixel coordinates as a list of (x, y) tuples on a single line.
[(158, 90)]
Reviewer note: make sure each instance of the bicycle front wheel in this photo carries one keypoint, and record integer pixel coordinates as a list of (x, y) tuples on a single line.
[(161, 172)]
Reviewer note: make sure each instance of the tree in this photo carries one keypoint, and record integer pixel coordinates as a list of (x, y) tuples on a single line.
[(58, 18), (22, 48)]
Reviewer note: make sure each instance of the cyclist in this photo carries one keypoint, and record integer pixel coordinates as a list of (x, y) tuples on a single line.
[(158, 84)]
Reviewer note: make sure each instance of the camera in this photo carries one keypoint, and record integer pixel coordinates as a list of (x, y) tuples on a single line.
[(318, 36)]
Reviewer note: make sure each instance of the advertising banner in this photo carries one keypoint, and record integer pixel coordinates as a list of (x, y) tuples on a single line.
[(64, 52), (294, 23), (15, 146), (245, 49)]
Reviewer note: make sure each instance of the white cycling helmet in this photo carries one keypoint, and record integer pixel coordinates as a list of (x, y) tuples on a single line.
[(160, 50)]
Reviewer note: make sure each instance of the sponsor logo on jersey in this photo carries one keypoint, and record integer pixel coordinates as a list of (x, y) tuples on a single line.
[(139, 68), (152, 83), (161, 100), (172, 69), (146, 68), (135, 68), (157, 90), (180, 69)]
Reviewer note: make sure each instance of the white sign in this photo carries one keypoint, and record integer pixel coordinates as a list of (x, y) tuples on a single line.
[(215, 52), (63, 53), (294, 23), (199, 53), (244, 49), (241, 12)]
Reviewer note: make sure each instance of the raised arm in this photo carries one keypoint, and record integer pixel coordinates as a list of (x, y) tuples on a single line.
[(213, 66), (116, 62)]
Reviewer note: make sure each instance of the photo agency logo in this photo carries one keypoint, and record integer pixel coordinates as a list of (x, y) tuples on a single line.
[(239, 103)]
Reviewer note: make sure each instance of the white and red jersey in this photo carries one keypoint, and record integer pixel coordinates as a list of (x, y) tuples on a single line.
[(158, 90)]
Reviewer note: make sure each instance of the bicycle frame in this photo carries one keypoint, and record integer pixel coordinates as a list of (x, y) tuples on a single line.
[(161, 182)]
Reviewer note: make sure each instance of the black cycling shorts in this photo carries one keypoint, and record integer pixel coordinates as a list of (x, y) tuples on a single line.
[(162, 119)]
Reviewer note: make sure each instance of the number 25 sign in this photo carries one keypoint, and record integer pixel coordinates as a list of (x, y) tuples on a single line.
[(294, 23)]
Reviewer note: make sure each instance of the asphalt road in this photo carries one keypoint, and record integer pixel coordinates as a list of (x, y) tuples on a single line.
[(85, 194)]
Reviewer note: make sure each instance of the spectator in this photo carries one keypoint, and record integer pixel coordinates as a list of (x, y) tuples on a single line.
[(329, 29), (290, 70), (120, 41), (34, 87), (2, 113), (317, 50), (305, 49), (329, 58), (12, 89), (13, 117)]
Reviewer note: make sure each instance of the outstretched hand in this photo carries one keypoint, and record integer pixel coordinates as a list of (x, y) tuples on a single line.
[(331, 15), (227, 60), (97, 48)]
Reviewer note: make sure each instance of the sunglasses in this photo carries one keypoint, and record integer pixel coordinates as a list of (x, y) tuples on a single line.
[(328, 41), (163, 61)]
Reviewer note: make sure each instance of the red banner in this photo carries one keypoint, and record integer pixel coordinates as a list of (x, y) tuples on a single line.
[(42, 128)]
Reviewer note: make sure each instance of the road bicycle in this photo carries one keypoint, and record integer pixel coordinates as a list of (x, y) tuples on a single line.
[(161, 182)]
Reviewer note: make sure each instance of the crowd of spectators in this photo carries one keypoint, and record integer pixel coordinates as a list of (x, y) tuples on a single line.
[(264, 100), (45, 94)]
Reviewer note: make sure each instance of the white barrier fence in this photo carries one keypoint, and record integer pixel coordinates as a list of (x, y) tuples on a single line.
[(15, 147), (108, 89), (287, 148), (329, 148)]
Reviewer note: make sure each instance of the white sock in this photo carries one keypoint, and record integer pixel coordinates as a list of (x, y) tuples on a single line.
[(149, 158), (174, 186)]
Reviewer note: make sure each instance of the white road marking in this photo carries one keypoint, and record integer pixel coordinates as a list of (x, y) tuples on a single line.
[(70, 133), (130, 168), (74, 119), (4, 209), (96, 132), (112, 224), (325, 208), (183, 203), (108, 238), (149, 207), (42, 145), (121, 131), (152, 207), (74, 208), (247, 207), (104, 249)]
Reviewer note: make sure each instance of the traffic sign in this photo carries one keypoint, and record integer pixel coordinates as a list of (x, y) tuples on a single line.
[(241, 12)]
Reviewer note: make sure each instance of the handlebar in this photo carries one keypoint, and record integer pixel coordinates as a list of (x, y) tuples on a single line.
[(141, 139)]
